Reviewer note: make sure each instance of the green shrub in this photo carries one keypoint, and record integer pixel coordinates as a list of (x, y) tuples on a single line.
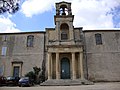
[(31, 75)]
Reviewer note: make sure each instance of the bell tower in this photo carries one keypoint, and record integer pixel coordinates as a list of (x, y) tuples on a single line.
[(64, 21)]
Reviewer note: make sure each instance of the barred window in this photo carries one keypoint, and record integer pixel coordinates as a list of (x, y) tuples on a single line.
[(30, 40), (98, 38)]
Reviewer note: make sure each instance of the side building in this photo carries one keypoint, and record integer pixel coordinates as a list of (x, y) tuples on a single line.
[(20, 52), (102, 49)]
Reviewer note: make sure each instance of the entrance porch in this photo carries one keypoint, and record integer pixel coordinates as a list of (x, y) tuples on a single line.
[(65, 65)]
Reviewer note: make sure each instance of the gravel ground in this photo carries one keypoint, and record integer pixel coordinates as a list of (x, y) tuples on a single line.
[(96, 86)]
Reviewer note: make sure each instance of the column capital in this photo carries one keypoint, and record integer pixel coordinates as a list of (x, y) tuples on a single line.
[(73, 52), (49, 52), (57, 52), (81, 52)]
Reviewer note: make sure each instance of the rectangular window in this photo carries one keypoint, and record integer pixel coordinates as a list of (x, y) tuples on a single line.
[(64, 36), (4, 38), (4, 51), (98, 38), (30, 40)]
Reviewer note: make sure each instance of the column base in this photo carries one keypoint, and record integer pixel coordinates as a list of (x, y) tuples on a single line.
[(74, 77), (58, 77)]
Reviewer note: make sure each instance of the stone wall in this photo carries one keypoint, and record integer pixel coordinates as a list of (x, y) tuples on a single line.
[(103, 61)]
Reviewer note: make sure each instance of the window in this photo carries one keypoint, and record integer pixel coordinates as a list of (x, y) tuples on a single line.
[(98, 38), (4, 38), (64, 29), (4, 51), (64, 36), (30, 40)]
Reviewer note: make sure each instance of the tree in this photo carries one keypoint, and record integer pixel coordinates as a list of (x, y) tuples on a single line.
[(37, 71), (10, 6), (34, 75)]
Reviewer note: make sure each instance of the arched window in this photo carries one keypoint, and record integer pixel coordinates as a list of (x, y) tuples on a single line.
[(30, 40), (64, 28), (98, 38)]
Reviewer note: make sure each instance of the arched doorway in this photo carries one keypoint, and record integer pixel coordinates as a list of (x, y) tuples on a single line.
[(65, 68)]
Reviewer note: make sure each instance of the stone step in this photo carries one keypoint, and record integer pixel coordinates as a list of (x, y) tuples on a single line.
[(66, 82)]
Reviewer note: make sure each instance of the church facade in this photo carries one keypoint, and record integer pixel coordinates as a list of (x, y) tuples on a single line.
[(66, 52)]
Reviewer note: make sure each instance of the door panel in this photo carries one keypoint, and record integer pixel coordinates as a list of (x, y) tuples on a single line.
[(65, 68), (16, 71)]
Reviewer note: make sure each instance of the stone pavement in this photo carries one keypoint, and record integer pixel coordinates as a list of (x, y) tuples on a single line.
[(96, 86)]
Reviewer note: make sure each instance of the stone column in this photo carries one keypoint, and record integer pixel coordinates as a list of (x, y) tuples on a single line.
[(81, 65), (49, 66), (57, 66), (73, 66), (51, 63)]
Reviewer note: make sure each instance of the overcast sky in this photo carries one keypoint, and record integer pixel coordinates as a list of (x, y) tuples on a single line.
[(36, 15)]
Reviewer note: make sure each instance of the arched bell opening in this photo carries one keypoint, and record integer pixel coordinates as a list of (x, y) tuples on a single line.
[(63, 10)]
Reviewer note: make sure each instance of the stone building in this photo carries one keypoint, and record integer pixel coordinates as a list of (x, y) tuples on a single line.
[(20, 52), (68, 52), (102, 51)]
